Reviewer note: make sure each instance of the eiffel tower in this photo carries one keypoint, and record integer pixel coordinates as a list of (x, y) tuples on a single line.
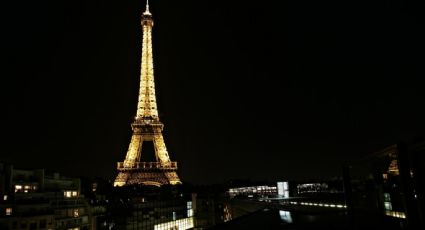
[(147, 127)]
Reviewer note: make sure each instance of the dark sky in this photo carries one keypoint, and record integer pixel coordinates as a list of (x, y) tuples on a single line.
[(246, 89)]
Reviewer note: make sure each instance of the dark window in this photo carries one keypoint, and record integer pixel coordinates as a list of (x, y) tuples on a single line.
[(43, 223), (33, 226)]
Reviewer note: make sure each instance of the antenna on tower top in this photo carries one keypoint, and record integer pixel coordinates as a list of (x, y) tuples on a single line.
[(147, 7)]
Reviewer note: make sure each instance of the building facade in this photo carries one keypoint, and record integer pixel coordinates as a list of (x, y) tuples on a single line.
[(32, 200)]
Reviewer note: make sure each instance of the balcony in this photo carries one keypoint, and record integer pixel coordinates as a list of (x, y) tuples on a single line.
[(172, 165)]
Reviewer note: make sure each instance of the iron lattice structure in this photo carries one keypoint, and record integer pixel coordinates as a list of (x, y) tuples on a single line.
[(147, 127)]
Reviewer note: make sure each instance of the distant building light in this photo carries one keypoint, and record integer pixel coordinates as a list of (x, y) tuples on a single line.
[(401, 215), (5, 197), (181, 224), (388, 206), (67, 194), (8, 211), (18, 188), (94, 187), (285, 216), (384, 176), (76, 213), (283, 189), (70, 194)]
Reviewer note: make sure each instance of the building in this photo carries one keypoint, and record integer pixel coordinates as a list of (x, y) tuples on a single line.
[(253, 191), (32, 199), (389, 183)]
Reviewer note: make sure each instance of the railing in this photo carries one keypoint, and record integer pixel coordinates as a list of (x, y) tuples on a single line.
[(147, 165)]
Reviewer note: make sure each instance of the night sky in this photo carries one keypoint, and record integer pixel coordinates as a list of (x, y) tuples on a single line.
[(246, 89)]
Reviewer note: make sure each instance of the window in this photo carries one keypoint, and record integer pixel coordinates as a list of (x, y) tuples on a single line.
[(5, 197), (70, 194), (67, 194), (43, 224), (385, 176), (388, 206), (76, 213), (33, 226), (8, 211), (18, 188), (94, 187)]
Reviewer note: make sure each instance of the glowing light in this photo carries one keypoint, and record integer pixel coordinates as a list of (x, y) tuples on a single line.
[(76, 213), (70, 194), (285, 216), (182, 224), (8, 211), (401, 215), (18, 188)]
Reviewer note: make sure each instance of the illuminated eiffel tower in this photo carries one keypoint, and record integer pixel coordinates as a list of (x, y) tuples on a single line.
[(147, 127)]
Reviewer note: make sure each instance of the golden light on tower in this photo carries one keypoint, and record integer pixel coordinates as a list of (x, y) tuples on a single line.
[(147, 127)]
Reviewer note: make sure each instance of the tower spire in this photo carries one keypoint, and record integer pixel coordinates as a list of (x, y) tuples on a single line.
[(147, 12)]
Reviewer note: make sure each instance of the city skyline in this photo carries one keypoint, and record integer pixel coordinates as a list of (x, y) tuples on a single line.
[(246, 90)]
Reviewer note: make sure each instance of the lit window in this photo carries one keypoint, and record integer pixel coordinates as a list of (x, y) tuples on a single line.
[(5, 197), (8, 211), (94, 187), (76, 213), (385, 176), (190, 213), (388, 206), (18, 188), (74, 193), (67, 194)]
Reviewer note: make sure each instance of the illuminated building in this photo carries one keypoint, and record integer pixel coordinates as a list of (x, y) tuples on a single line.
[(147, 127), (283, 189), (253, 191), (152, 212), (389, 183), (33, 199)]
